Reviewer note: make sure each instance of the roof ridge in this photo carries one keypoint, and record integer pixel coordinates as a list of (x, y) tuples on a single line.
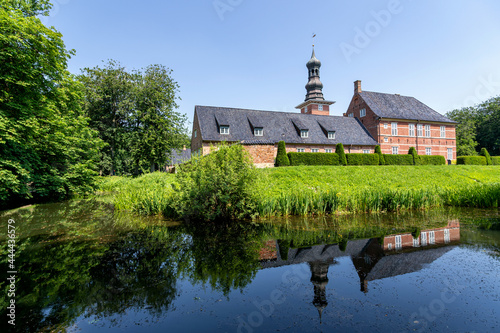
[(281, 112)]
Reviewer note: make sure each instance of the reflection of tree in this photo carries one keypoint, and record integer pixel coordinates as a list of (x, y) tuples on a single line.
[(225, 257)]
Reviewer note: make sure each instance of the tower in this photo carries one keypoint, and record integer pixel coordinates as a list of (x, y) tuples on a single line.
[(314, 103)]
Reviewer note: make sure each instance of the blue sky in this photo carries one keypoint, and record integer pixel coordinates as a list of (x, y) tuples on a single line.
[(252, 53)]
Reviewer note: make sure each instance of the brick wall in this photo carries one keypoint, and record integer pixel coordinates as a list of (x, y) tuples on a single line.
[(262, 155)]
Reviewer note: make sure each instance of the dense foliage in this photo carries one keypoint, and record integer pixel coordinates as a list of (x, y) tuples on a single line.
[(478, 126), (313, 158), (281, 156), (47, 150), (362, 159), (413, 152), (135, 115), (484, 152), (398, 159), (495, 160), (381, 159), (339, 150), (471, 160), (431, 160)]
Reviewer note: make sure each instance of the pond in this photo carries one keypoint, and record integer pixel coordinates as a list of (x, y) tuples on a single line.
[(81, 266)]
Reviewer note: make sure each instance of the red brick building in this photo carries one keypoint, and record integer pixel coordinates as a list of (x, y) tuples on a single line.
[(399, 122)]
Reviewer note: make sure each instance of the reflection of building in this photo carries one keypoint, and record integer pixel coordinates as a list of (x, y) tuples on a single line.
[(373, 258)]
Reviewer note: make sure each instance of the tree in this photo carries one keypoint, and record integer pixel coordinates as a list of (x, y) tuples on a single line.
[(339, 149), (488, 128), (465, 130), (380, 155), (484, 152), (281, 156), (413, 152), (47, 150)]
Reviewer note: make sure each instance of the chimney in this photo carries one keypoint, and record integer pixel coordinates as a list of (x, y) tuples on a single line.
[(357, 87), (184, 147)]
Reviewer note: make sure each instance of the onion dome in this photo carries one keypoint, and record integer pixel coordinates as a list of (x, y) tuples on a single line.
[(313, 62)]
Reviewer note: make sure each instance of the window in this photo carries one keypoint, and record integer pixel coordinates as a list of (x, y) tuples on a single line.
[(394, 128), (314, 150), (328, 150), (362, 112), (320, 107), (351, 115), (385, 125), (399, 244), (394, 150), (331, 135), (450, 153), (446, 236), (304, 133), (224, 130), (411, 130), (389, 246), (195, 133), (423, 238), (443, 131), (386, 139), (428, 151), (419, 130), (300, 150), (416, 242), (432, 237), (305, 109), (258, 131), (366, 151), (428, 131)]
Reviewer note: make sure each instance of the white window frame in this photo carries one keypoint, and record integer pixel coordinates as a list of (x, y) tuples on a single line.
[(442, 131), (395, 150), (366, 151), (351, 115), (398, 242), (446, 236), (386, 139), (304, 133), (420, 130), (314, 150), (385, 125), (450, 153), (331, 135), (432, 237), (394, 129), (423, 238), (320, 107), (427, 131), (416, 242), (224, 130), (301, 150), (328, 150), (362, 113), (258, 131), (411, 130), (428, 151)]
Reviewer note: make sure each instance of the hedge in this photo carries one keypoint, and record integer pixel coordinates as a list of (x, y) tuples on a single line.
[(431, 160), (485, 153), (471, 160), (495, 160), (398, 159), (281, 157), (362, 159), (313, 159)]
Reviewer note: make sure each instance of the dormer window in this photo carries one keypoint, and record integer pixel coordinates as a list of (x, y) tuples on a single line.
[(224, 129), (331, 135), (258, 131), (304, 133)]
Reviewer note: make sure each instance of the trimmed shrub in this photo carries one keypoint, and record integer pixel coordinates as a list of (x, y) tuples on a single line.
[(281, 156), (413, 152), (485, 153), (339, 150), (431, 160), (378, 151), (313, 159), (495, 160), (362, 159), (398, 159), (471, 160)]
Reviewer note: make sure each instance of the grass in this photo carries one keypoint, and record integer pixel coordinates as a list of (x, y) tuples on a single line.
[(320, 190)]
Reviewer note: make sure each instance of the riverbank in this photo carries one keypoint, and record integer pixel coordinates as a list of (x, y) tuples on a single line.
[(319, 190)]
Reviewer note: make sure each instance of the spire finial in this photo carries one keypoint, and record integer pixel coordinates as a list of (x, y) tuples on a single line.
[(314, 35)]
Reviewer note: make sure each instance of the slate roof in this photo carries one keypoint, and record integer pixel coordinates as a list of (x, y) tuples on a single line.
[(279, 126), (401, 107), (178, 157)]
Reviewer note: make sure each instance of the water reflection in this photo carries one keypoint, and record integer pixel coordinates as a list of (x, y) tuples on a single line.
[(81, 259)]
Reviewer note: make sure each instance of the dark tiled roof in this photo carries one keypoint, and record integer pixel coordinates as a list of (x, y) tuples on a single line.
[(401, 107), (279, 126), (179, 156)]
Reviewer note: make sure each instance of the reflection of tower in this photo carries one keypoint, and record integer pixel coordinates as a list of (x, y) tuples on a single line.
[(319, 278)]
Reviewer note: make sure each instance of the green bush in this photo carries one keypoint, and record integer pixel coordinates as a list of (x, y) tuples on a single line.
[(313, 159), (485, 153), (362, 159), (495, 160), (378, 151), (339, 150), (281, 156), (413, 152), (398, 159), (217, 186), (431, 160), (471, 160)]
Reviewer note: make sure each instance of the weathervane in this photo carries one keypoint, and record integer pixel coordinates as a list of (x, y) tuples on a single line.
[(314, 35)]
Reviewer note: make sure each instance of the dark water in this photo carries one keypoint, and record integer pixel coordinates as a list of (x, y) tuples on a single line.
[(82, 267)]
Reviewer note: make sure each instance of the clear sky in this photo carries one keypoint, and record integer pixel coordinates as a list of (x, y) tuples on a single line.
[(252, 53)]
